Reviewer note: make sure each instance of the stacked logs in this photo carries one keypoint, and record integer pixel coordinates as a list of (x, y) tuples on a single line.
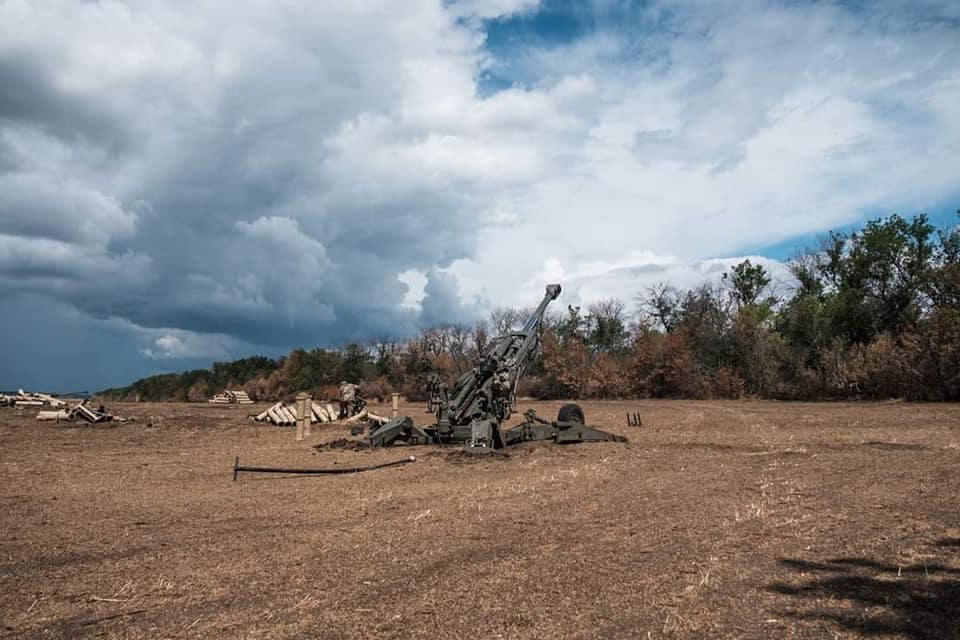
[(286, 415), (79, 413), (231, 397), (30, 399), (283, 416)]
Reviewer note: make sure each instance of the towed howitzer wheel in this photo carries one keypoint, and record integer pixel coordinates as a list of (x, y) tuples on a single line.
[(572, 427), (571, 413)]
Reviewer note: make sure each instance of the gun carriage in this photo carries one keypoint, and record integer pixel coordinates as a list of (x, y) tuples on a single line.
[(473, 411)]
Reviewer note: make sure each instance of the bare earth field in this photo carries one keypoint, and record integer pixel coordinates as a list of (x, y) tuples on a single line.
[(717, 520)]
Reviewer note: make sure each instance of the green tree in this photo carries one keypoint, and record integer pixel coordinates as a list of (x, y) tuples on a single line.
[(659, 306), (748, 283), (876, 278), (944, 284), (356, 363), (607, 327), (705, 316)]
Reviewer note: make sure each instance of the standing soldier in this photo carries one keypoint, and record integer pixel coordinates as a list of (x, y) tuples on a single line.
[(346, 395), (501, 389)]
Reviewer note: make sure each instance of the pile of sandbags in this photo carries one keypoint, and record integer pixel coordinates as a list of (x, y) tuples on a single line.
[(282, 415), (231, 397)]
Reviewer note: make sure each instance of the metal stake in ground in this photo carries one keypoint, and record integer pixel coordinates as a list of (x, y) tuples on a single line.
[(317, 472)]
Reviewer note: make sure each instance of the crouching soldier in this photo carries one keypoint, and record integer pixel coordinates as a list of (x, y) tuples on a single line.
[(359, 402)]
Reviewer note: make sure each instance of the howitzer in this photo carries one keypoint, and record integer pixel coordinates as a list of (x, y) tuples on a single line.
[(472, 411)]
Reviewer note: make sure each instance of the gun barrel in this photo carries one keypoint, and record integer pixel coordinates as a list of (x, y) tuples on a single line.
[(553, 291)]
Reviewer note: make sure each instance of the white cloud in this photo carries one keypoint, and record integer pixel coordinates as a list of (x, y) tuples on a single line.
[(491, 8), (765, 123), (175, 344), (288, 244), (416, 282)]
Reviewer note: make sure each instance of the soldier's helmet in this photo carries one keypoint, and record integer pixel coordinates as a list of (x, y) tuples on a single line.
[(343, 382)]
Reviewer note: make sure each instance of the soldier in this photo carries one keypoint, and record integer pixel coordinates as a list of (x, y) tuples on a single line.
[(359, 402), (434, 392), (347, 394), (501, 383), (501, 389)]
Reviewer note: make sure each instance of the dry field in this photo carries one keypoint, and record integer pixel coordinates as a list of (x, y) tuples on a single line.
[(717, 520)]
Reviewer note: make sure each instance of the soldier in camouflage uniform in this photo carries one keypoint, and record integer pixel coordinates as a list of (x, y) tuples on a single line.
[(501, 389), (346, 395), (501, 383)]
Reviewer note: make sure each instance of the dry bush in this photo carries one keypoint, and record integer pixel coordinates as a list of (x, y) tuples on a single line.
[(761, 355), (533, 387), (327, 392), (842, 371), (378, 389), (725, 383), (278, 384), (888, 368), (567, 363), (257, 389), (663, 366), (608, 377), (199, 392), (937, 355)]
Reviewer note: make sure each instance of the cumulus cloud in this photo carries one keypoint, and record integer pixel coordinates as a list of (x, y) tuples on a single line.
[(441, 302), (287, 173), (725, 128), (288, 244), (63, 210), (491, 8), (174, 344)]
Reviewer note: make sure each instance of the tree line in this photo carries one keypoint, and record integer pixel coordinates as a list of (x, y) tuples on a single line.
[(873, 313)]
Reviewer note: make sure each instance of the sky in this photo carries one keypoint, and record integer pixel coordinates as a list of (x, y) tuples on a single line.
[(185, 182)]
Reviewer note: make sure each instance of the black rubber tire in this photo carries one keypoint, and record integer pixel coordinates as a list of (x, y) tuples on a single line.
[(571, 413)]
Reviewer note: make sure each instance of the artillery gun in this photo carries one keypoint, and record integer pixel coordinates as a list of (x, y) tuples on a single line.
[(473, 411)]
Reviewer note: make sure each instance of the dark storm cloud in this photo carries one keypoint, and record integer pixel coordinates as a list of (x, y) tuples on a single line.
[(229, 178), (30, 97), (441, 302)]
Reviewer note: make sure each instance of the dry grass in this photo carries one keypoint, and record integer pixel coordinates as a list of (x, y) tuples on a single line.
[(717, 520)]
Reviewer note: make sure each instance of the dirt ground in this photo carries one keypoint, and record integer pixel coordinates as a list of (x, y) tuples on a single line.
[(717, 520)]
